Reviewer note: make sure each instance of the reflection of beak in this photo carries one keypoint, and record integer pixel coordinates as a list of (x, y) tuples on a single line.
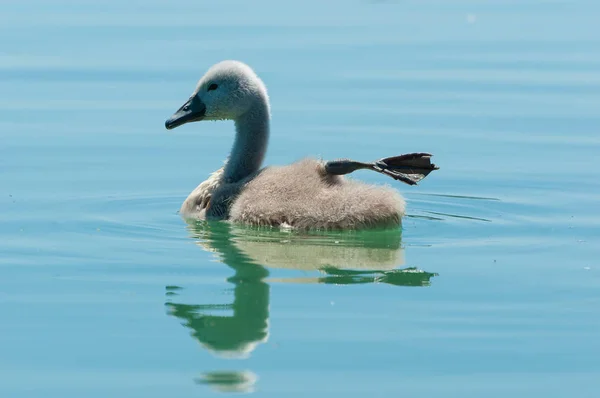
[(192, 111)]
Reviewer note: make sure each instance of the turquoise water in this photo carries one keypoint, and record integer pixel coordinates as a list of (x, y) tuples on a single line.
[(492, 288)]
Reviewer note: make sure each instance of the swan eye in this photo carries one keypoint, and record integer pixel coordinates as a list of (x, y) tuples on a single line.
[(212, 87)]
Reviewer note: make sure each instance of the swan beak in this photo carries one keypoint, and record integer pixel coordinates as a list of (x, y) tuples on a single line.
[(192, 111)]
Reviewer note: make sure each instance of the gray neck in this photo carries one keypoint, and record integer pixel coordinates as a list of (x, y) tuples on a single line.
[(251, 139)]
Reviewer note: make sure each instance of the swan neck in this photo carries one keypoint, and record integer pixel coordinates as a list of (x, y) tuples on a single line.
[(250, 145)]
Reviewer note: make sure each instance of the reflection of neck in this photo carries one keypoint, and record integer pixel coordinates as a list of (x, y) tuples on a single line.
[(250, 146)]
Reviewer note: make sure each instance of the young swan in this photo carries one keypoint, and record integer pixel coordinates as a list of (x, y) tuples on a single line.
[(309, 194)]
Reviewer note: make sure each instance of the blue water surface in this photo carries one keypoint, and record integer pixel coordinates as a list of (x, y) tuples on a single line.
[(491, 289)]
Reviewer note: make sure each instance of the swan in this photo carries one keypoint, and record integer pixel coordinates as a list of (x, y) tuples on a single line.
[(307, 194)]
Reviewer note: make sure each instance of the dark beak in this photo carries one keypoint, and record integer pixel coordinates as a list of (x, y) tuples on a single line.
[(192, 111)]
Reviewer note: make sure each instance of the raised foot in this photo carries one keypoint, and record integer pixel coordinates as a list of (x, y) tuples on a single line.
[(409, 168)]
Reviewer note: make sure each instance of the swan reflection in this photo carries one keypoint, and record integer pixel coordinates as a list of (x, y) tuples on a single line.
[(235, 329), (229, 382)]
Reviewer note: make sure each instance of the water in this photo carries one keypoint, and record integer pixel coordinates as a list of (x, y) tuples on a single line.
[(491, 289)]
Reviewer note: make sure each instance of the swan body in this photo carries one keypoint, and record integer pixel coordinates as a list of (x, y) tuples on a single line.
[(307, 194), (301, 195)]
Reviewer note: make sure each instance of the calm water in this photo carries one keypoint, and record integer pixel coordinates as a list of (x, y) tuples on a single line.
[(492, 288)]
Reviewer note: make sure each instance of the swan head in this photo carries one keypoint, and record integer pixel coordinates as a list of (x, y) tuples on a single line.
[(227, 91)]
